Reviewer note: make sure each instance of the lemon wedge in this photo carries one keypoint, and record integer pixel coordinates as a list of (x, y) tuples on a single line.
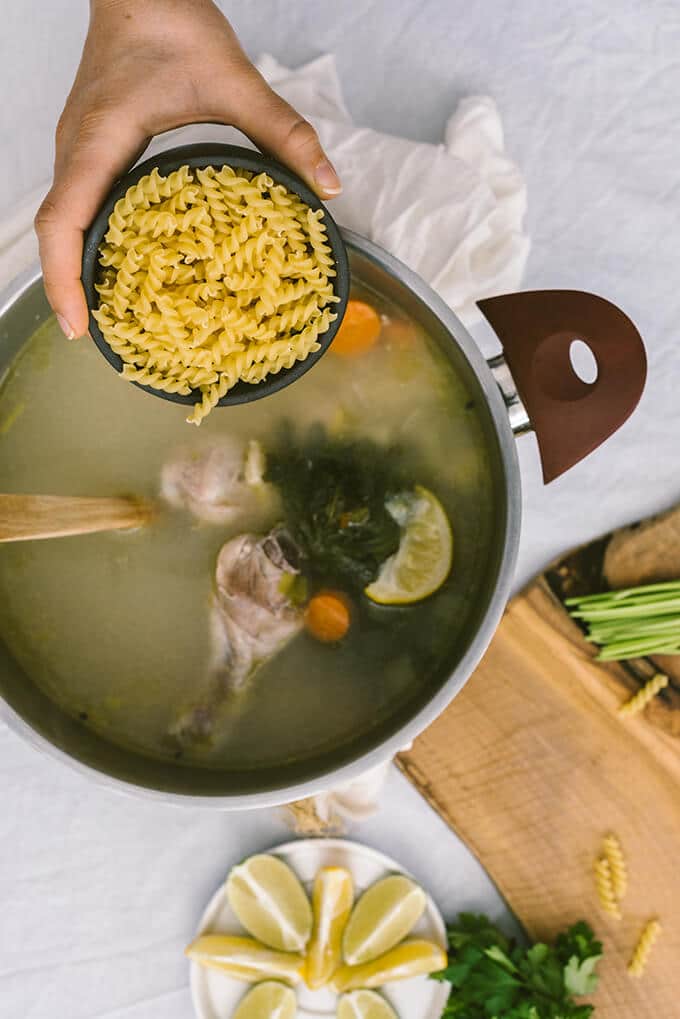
[(422, 562), (271, 903), (382, 917), (269, 1000), (331, 903), (364, 1005), (410, 959), (245, 959)]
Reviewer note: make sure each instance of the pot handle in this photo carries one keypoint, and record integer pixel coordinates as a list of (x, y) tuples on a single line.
[(571, 417)]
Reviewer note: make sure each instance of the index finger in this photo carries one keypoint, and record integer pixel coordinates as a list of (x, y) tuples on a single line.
[(85, 172)]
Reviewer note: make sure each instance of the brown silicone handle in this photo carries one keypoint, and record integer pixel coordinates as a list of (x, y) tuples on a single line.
[(570, 417)]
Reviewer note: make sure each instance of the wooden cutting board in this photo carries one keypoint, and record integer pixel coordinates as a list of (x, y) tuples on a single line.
[(532, 766)]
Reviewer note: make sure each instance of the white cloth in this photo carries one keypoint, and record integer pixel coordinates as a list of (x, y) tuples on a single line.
[(452, 212), (338, 809)]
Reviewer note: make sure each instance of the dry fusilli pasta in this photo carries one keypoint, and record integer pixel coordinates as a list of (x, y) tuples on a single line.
[(613, 853), (212, 276), (605, 888), (641, 699), (648, 936)]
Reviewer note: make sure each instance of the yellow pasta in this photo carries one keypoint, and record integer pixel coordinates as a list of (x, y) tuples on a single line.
[(613, 853), (605, 888), (641, 699), (638, 962), (210, 277)]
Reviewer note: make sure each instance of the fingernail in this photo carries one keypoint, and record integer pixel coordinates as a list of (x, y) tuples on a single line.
[(66, 329), (327, 179)]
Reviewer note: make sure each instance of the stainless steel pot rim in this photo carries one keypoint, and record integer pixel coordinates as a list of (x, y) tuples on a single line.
[(379, 755)]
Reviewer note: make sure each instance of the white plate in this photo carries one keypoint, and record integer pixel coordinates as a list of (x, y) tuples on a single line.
[(216, 995)]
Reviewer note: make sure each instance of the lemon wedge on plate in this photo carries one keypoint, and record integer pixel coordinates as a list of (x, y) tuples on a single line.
[(245, 959), (422, 562), (270, 902), (364, 1005), (269, 1000), (382, 917), (410, 959), (332, 903)]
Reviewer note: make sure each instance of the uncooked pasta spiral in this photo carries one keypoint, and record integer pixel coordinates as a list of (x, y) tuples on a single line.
[(642, 698), (159, 380), (211, 397), (638, 961), (211, 276), (613, 854), (317, 236), (605, 888)]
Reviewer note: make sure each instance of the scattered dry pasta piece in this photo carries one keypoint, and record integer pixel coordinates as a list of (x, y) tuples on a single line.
[(605, 888), (617, 865), (641, 699), (210, 277), (648, 936)]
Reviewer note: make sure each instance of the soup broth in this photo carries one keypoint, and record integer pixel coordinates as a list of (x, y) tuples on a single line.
[(115, 627)]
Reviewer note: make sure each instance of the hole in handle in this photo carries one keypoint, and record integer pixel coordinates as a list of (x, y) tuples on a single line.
[(553, 369), (583, 362)]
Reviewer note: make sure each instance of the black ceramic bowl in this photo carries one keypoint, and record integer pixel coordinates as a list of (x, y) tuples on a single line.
[(217, 155)]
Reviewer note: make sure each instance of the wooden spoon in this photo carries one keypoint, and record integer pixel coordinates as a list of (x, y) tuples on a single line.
[(24, 517)]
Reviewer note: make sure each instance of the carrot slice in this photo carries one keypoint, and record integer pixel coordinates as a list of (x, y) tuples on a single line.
[(358, 330), (327, 616)]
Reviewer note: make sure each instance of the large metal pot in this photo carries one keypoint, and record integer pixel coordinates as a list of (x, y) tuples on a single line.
[(532, 384)]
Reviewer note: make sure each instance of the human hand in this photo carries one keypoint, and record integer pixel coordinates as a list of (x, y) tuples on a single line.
[(149, 66)]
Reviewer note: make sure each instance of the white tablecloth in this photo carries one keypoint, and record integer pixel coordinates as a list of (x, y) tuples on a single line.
[(100, 892)]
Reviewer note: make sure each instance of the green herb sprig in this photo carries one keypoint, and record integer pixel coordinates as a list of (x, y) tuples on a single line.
[(334, 493), (493, 977), (633, 622)]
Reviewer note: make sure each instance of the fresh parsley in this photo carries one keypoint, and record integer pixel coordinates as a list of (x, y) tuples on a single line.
[(493, 977)]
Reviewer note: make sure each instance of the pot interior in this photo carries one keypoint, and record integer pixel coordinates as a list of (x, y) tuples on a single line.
[(105, 640)]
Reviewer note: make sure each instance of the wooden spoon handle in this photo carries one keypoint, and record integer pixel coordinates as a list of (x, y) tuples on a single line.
[(23, 517)]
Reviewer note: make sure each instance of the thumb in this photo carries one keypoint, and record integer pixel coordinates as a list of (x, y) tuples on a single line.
[(277, 128), (87, 166)]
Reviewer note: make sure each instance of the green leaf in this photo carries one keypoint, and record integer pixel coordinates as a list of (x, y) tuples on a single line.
[(578, 940), (456, 973), (494, 978), (580, 977), (581, 1012), (498, 1003), (499, 956), (523, 1010), (537, 954)]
